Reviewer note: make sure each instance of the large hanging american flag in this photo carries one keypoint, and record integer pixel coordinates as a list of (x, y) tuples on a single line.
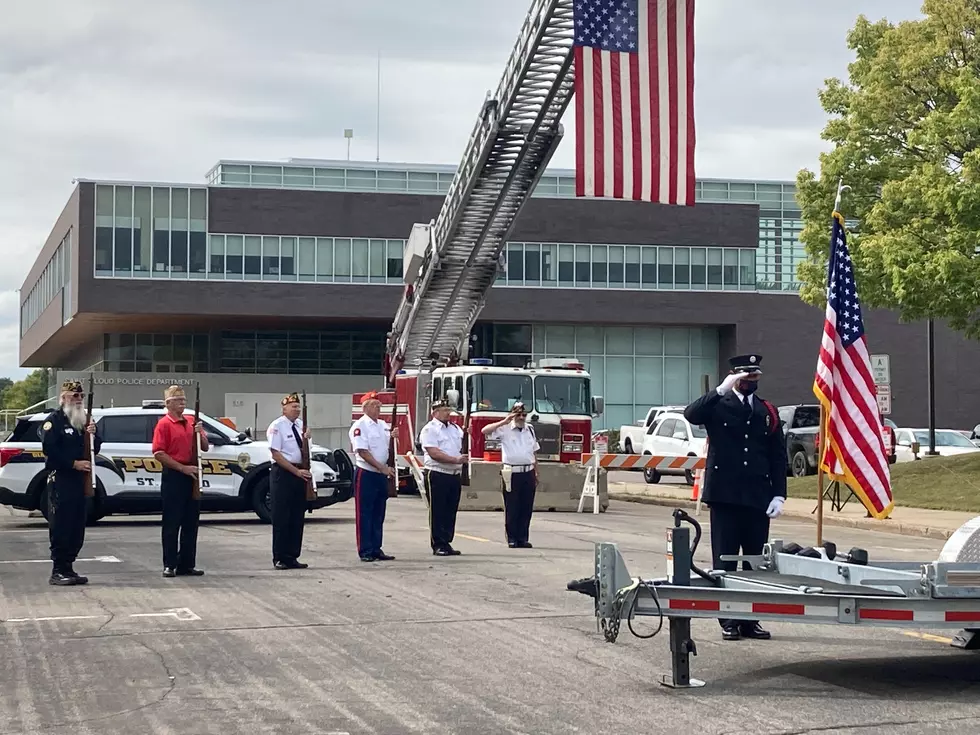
[(634, 100), (853, 448)]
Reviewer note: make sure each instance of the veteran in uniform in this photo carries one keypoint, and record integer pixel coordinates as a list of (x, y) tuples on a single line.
[(173, 447), (745, 471), (519, 472), (288, 484), (64, 434), (442, 444), (369, 438)]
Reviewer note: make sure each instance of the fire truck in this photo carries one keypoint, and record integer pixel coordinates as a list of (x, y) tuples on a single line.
[(451, 262)]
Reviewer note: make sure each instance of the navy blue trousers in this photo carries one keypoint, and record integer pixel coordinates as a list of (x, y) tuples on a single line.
[(370, 501)]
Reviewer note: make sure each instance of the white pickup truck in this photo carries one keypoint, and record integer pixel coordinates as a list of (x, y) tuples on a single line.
[(631, 437)]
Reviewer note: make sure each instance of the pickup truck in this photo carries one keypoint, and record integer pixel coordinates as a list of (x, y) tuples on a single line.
[(801, 424), (631, 436)]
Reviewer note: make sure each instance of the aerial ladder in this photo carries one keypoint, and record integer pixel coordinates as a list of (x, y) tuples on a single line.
[(452, 262)]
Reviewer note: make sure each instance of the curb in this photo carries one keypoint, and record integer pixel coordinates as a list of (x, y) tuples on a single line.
[(906, 529)]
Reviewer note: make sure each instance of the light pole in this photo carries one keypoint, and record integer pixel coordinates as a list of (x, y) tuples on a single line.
[(931, 384), (348, 133)]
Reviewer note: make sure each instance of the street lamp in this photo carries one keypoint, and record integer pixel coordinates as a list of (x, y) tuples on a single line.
[(349, 134)]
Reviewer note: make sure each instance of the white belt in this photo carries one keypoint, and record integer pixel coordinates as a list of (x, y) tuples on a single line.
[(520, 467)]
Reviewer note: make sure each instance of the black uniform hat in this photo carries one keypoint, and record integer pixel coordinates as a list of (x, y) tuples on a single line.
[(746, 363)]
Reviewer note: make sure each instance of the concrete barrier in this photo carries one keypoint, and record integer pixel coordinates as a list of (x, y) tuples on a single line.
[(559, 488)]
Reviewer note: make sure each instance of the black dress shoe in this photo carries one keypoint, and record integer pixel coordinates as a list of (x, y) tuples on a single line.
[(512, 544), (169, 572), (79, 579), (525, 545), (291, 564), (192, 572), (452, 551), (381, 556), (62, 580), (754, 631), (731, 632), (364, 557), (442, 552), (299, 565)]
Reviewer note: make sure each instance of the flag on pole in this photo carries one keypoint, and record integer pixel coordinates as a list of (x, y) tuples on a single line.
[(853, 448), (634, 100)]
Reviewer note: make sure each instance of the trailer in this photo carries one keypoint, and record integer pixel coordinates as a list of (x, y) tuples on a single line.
[(788, 584)]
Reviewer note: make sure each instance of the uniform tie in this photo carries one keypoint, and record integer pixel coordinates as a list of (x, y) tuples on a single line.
[(299, 442)]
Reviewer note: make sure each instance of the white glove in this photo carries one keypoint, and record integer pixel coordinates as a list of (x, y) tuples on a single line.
[(776, 506), (729, 382)]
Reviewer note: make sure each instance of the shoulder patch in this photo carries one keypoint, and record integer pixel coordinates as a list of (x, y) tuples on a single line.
[(357, 432), (46, 425)]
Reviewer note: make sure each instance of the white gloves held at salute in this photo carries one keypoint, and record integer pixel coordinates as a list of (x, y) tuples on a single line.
[(729, 383)]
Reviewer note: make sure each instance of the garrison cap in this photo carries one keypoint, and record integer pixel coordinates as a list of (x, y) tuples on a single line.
[(291, 398), (519, 407), (370, 396), (750, 363), (71, 386), (173, 392), (440, 403)]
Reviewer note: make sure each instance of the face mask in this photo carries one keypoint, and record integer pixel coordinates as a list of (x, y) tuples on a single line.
[(748, 387)]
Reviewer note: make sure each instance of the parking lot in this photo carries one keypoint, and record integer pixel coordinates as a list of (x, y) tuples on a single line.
[(487, 642)]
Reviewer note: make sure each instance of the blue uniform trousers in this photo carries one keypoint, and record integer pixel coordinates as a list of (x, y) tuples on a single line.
[(370, 501)]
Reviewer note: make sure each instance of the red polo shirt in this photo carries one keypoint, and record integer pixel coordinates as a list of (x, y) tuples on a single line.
[(175, 437)]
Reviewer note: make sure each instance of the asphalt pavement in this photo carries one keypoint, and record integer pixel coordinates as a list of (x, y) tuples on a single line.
[(487, 642)]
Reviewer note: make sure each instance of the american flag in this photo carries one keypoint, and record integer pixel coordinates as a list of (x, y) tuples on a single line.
[(853, 448), (634, 100)]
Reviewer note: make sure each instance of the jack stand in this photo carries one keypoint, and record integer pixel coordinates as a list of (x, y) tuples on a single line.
[(968, 640), (681, 649)]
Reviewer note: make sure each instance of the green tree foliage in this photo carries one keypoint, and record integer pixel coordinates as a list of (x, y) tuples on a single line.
[(26, 392), (906, 135)]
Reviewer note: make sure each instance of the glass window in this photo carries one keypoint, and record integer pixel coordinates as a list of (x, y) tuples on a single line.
[(583, 265), (422, 181), (142, 231), (566, 266), (616, 255), (699, 270), (554, 394), (600, 257), (377, 262), (589, 341), (271, 352), (161, 231), (633, 267), (512, 338), (746, 264), (682, 267), (496, 392), (234, 246), (324, 259), (358, 179), (253, 257), (515, 263), (104, 224), (307, 258), (730, 268), (270, 257), (127, 429), (179, 231), (396, 254), (649, 378), (677, 341), (329, 178), (619, 340), (677, 380), (714, 268), (216, 255), (287, 259), (198, 232), (392, 180), (560, 341), (342, 258), (297, 176), (648, 266), (532, 265), (359, 260), (649, 340), (619, 380), (267, 176), (549, 259), (163, 348), (123, 263)]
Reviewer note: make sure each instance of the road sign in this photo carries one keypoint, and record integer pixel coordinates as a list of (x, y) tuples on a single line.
[(881, 369), (884, 399)]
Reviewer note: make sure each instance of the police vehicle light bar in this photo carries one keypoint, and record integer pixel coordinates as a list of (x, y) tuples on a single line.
[(562, 364), (481, 361)]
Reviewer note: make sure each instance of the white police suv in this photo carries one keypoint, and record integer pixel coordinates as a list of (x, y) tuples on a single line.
[(235, 468)]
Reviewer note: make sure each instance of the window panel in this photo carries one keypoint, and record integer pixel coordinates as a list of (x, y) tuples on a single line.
[(123, 224), (235, 248), (508, 338), (649, 340), (287, 258), (589, 341), (306, 260), (714, 268), (649, 379), (583, 265), (342, 258), (216, 255), (699, 268), (253, 257), (619, 380), (549, 268), (616, 260), (619, 340), (142, 231), (632, 267), (676, 341), (198, 232), (179, 231), (730, 268), (324, 258), (360, 258), (515, 263), (682, 267), (377, 262), (677, 381), (532, 265), (566, 266), (600, 256), (648, 266), (396, 255), (270, 258), (104, 207), (560, 341), (161, 231)]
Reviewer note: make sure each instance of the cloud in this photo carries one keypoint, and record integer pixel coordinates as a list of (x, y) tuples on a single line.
[(95, 90)]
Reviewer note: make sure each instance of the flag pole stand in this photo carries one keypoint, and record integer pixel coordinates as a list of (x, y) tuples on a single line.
[(820, 475)]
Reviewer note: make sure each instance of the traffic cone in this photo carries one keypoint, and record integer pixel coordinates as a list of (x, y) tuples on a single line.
[(696, 489)]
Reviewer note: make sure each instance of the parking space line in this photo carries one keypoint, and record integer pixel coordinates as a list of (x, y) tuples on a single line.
[(106, 559), (928, 637), (184, 614), (65, 617), (474, 538)]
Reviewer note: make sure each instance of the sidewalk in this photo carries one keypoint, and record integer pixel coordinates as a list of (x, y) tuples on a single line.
[(938, 524)]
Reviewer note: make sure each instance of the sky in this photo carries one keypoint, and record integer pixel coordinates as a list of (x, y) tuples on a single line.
[(160, 91)]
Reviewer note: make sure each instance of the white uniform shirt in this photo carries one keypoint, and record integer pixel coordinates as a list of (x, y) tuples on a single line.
[(374, 436), (448, 438), (281, 438), (517, 447)]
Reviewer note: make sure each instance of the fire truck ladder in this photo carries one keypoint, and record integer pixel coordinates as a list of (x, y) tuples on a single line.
[(515, 136)]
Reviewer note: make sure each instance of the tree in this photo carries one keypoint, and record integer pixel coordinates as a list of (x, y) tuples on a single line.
[(906, 135), (32, 389)]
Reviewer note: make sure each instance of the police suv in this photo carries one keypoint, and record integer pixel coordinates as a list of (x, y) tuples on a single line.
[(235, 470)]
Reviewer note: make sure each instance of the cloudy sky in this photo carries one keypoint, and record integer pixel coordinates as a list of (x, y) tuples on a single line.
[(150, 90)]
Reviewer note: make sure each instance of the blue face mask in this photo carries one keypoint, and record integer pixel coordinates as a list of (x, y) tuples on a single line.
[(748, 387)]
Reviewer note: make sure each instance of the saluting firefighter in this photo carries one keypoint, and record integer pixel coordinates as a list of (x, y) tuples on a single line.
[(519, 473), (64, 434), (369, 438), (288, 484), (173, 446), (745, 472), (442, 444)]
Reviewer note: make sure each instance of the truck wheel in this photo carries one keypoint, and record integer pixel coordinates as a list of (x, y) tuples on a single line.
[(262, 499), (651, 476), (628, 446), (689, 477), (799, 465)]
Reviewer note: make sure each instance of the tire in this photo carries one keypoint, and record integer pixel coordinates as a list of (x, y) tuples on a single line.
[(651, 476), (799, 465), (262, 499), (628, 447), (689, 476)]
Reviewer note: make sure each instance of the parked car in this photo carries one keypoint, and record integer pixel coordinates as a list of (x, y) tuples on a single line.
[(674, 436), (235, 468), (631, 437), (949, 442), (801, 424)]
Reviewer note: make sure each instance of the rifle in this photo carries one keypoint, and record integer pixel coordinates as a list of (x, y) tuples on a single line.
[(196, 488), (464, 475), (304, 463), (393, 480), (89, 455)]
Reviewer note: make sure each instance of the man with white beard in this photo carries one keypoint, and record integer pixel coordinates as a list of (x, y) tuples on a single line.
[(63, 438)]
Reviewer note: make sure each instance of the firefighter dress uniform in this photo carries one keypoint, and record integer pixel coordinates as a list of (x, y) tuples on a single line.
[(518, 445), (63, 444), (745, 471), (370, 484), (442, 479)]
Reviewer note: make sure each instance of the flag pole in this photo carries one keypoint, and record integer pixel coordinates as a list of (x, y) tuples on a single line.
[(824, 428)]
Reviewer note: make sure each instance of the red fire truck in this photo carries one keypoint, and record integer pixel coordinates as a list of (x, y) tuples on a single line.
[(556, 392)]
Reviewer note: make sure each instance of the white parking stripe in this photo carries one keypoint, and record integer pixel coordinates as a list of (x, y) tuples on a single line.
[(106, 559)]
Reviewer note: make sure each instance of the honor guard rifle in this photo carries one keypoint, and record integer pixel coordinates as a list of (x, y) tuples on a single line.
[(464, 474), (90, 478), (393, 479), (196, 488), (305, 458)]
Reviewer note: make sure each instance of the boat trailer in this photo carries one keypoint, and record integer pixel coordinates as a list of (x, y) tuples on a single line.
[(788, 584)]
